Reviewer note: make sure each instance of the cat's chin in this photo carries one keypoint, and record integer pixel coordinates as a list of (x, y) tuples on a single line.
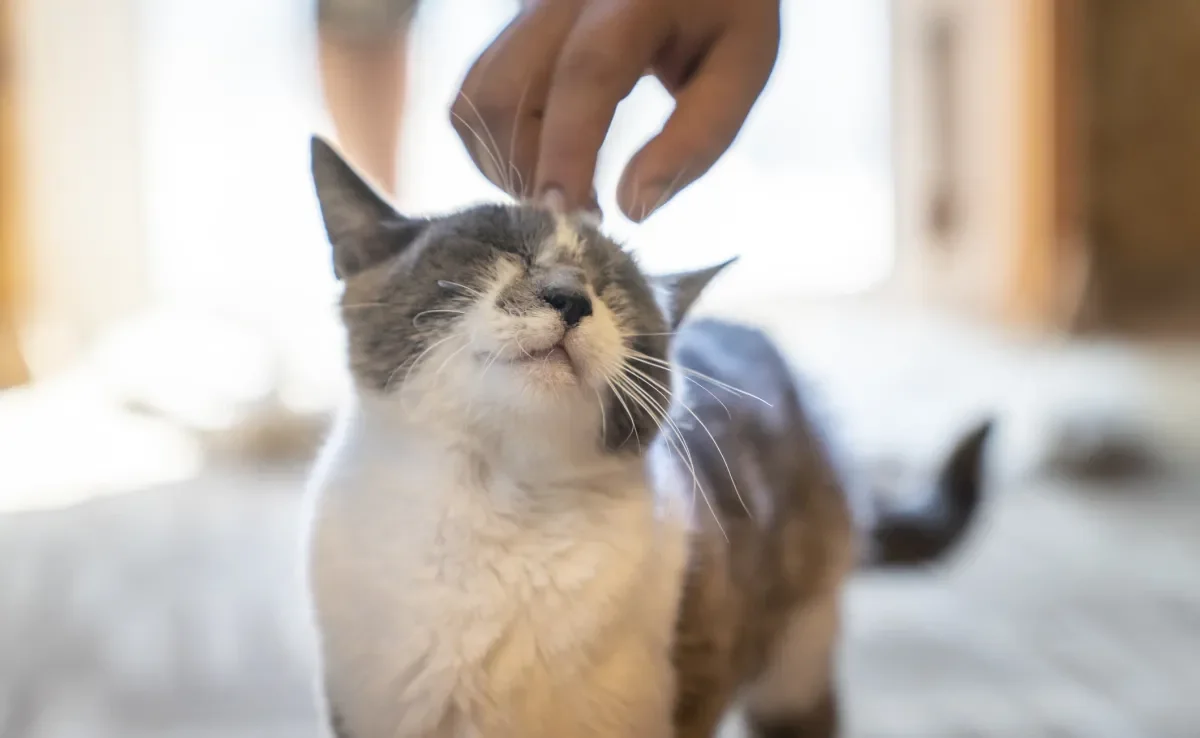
[(554, 354), (552, 370), (554, 366)]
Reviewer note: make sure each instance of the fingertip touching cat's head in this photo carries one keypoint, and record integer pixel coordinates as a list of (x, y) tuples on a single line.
[(503, 315)]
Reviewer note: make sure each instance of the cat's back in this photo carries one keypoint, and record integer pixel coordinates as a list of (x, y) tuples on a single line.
[(745, 415), (736, 355)]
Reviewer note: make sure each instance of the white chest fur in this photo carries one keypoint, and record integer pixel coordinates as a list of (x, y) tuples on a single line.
[(452, 600)]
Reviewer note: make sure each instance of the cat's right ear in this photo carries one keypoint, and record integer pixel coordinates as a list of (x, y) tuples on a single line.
[(676, 293), (363, 228)]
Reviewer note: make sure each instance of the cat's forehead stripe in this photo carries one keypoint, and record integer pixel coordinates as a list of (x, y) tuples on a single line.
[(566, 239)]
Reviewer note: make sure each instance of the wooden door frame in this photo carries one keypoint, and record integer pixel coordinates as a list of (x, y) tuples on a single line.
[(1051, 281), (83, 245), (13, 259), (1015, 252)]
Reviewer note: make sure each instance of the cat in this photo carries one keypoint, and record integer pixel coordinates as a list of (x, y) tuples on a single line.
[(503, 543)]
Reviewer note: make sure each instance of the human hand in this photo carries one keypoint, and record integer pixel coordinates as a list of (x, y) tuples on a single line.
[(536, 106)]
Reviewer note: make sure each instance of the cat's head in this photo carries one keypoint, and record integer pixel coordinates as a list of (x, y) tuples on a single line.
[(506, 318)]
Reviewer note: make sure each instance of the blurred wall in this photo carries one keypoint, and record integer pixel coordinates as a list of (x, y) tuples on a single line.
[(12, 363), (75, 67), (956, 109)]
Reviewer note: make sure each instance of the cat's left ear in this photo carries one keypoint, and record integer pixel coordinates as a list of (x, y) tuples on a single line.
[(678, 292), (363, 228)]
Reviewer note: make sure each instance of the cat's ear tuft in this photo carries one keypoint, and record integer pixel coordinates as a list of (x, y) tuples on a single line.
[(678, 292), (363, 228)]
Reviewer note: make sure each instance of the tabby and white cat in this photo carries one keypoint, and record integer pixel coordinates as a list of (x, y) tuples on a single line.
[(504, 544)]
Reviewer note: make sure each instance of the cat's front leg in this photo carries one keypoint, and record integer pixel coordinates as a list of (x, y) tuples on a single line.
[(701, 725), (796, 696), (703, 695), (819, 720), (337, 724)]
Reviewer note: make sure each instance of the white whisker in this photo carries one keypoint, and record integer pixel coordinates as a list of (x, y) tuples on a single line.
[(449, 358), (643, 398), (711, 394), (482, 375), (434, 312), (506, 176), (728, 470), (652, 361), (684, 373), (512, 143), (632, 423), (412, 364), (483, 144), (603, 416), (447, 284), (495, 356), (665, 194)]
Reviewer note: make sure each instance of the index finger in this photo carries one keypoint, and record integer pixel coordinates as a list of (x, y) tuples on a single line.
[(605, 55)]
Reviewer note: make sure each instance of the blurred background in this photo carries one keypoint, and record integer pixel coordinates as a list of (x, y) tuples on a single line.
[(944, 208)]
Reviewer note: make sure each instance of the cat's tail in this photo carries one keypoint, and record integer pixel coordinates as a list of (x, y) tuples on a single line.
[(925, 532)]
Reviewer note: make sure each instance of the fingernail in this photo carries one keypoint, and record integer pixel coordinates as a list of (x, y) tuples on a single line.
[(650, 199), (640, 198)]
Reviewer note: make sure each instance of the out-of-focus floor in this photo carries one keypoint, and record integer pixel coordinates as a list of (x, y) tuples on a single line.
[(1074, 610)]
